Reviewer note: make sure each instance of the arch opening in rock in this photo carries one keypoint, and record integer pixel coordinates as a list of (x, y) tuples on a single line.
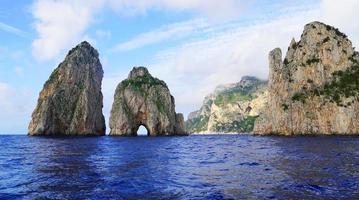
[(142, 131)]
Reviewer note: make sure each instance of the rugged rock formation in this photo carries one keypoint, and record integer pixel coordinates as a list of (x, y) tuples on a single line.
[(71, 101), (144, 100), (230, 108), (315, 89)]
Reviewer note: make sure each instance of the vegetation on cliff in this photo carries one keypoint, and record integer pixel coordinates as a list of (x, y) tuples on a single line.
[(230, 108), (315, 90), (137, 82), (344, 85)]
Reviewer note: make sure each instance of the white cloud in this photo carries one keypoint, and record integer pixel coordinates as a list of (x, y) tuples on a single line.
[(194, 69), (343, 15), (61, 24), (175, 30)]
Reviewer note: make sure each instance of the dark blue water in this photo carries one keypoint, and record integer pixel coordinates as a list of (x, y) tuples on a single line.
[(194, 167)]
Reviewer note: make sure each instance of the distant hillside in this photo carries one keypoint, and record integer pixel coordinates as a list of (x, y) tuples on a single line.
[(230, 108)]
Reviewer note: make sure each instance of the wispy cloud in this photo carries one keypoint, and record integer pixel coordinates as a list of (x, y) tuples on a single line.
[(176, 30), (13, 30), (212, 9), (222, 54), (54, 19), (217, 53), (193, 69)]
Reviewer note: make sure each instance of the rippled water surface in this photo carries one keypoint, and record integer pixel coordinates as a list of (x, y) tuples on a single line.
[(193, 167)]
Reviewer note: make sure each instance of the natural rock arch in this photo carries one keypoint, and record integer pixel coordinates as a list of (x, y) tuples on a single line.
[(144, 100)]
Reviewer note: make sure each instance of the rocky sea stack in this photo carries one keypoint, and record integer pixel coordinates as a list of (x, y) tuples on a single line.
[(231, 108), (71, 101), (315, 89), (144, 100)]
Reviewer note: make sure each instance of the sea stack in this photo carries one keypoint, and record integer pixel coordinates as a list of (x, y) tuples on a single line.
[(315, 89), (144, 100), (71, 101)]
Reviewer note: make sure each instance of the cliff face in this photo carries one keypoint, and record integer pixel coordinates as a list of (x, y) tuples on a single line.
[(71, 101), (230, 108), (314, 90), (144, 100)]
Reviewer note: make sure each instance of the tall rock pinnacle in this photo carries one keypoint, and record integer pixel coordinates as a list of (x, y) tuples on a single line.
[(71, 101)]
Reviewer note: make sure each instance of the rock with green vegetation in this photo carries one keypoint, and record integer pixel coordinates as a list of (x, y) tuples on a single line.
[(315, 89), (230, 108), (71, 101), (144, 100)]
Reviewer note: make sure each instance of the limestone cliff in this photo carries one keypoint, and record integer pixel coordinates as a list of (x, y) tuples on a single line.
[(144, 100), (314, 90), (230, 108), (71, 101)]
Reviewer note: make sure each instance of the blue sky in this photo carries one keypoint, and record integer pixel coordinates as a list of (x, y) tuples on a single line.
[(194, 45)]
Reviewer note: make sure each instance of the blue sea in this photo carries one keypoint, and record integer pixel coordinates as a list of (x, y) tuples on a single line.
[(193, 167)]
